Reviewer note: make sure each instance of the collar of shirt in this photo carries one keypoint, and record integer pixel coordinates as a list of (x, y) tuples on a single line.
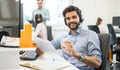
[(40, 8), (77, 32)]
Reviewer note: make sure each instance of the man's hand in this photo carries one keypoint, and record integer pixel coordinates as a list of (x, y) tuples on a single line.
[(39, 51), (68, 46)]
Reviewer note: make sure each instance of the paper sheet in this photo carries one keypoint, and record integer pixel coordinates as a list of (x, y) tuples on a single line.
[(45, 45), (9, 41)]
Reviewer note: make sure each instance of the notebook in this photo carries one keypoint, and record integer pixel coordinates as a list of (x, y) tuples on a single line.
[(9, 59)]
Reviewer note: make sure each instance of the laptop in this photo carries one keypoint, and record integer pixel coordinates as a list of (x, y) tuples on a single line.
[(9, 59)]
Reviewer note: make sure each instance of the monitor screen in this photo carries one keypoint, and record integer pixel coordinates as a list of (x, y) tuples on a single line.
[(9, 9), (9, 16), (116, 21), (21, 14)]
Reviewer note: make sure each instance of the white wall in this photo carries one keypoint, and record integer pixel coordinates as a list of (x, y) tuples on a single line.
[(95, 8), (58, 30), (116, 8), (91, 9)]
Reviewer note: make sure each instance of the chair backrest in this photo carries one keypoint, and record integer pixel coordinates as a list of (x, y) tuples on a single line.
[(94, 28), (49, 33), (112, 32), (104, 45), (3, 33)]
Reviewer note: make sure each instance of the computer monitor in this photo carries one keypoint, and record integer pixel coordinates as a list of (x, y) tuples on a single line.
[(9, 16), (9, 10), (116, 21), (21, 15)]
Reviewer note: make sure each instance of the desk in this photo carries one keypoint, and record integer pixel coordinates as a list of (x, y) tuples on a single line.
[(50, 62), (118, 35), (9, 58), (118, 38)]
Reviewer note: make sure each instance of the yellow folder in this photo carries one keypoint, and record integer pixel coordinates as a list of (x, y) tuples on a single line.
[(26, 37)]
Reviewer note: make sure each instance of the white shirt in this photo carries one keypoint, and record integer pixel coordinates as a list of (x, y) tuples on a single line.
[(103, 28), (40, 31)]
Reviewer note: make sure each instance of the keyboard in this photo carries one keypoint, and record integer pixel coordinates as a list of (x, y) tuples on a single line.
[(29, 55)]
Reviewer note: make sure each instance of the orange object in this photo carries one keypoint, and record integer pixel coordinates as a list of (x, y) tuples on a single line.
[(26, 37), (110, 55), (34, 44)]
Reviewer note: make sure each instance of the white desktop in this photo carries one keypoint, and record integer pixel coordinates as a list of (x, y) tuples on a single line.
[(50, 60), (9, 59), (47, 61), (117, 31)]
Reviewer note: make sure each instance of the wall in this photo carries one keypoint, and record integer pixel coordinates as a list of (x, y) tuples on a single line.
[(116, 8), (59, 30), (91, 9), (95, 8)]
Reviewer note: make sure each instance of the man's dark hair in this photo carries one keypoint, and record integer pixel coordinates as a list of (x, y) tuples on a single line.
[(70, 9)]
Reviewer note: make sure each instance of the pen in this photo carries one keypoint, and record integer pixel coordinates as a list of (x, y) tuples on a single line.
[(63, 67), (30, 66)]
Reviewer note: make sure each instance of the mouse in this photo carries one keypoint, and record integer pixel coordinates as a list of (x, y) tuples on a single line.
[(21, 52)]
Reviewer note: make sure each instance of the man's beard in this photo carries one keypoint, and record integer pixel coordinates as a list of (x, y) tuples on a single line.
[(76, 27)]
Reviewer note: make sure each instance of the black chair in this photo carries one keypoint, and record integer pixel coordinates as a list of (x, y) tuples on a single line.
[(104, 45), (49, 33), (94, 28), (115, 48), (2, 33)]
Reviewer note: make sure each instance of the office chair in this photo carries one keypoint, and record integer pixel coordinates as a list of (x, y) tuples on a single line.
[(104, 45), (94, 28), (2, 33), (49, 33), (115, 48)]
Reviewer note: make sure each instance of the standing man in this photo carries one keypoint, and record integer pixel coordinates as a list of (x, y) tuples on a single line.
[(102, 27), (79, 46), (41, 10)]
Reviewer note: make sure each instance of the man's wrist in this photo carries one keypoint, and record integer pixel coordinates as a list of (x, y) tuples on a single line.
[(82, 56), (79, 56)]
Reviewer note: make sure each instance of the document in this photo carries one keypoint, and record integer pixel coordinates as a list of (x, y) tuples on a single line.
[(45, 45)]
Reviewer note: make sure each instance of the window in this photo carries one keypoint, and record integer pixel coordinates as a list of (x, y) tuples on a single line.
[(55, 8)]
